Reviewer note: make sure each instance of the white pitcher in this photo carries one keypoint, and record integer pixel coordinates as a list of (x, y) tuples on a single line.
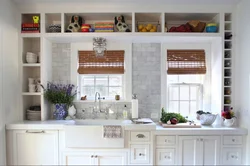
[(229, 122)]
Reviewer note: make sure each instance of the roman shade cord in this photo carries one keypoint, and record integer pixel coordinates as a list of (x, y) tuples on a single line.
[(111, 63), (186, 62)]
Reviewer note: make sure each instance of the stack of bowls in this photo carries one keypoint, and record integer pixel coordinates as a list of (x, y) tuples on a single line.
[(54, 28), (31, 57)]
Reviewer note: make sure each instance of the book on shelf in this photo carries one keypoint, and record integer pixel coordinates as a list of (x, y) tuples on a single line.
[(30, 31), (30, 25)]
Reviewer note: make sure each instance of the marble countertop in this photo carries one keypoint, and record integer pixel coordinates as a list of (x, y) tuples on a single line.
[(158, 129)]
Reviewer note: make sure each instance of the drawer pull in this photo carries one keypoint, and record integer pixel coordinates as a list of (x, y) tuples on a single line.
[(166, 140), (35, 132), (140, 136), (96, 156), (201, 139), (141, 154), (92, 156), (233, 140)]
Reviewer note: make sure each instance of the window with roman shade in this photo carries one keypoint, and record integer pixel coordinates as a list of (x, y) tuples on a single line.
[(111, 63), (186, 62)]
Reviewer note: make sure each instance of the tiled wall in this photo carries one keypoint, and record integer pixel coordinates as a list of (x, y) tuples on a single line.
[(147, 77), (61, 63)]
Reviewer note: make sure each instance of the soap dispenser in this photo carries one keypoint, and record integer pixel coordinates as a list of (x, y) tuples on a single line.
[(125, 112)]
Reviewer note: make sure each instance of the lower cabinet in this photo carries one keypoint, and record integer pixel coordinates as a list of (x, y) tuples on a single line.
[(165, 156), (35, 147), (199, 150), (232, 156), (139, 154), (95, 158)]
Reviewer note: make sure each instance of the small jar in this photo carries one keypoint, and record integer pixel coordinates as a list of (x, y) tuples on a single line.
[(117, 97)]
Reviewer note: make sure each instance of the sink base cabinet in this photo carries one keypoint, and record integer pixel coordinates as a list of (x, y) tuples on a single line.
[(94, 158)]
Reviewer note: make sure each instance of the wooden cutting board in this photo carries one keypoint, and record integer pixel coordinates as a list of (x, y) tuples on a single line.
[(180, 125)]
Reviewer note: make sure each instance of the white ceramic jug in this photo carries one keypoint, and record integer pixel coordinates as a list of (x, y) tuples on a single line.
[(229, 122)]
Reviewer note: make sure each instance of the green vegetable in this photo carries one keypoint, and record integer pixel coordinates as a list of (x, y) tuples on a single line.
[(166, 116)]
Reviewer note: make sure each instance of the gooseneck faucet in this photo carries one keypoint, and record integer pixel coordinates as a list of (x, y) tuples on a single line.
[(99, 98)]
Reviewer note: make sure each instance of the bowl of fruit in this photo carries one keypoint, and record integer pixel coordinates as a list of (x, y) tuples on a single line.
[(150, 27)]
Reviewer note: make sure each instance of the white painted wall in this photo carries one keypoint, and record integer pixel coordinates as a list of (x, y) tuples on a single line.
[(8, 70), (242, 68)]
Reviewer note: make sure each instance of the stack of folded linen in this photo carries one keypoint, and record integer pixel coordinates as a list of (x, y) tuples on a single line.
[(104, 27)]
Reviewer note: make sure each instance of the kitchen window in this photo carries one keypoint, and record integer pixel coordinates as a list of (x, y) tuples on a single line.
[(107, 85), (185, 94)]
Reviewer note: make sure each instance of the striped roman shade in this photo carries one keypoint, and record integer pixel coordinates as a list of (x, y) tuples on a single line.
[(186, 62), (111, 63)]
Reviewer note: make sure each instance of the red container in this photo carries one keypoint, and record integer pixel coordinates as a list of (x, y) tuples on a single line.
[(85, 27)]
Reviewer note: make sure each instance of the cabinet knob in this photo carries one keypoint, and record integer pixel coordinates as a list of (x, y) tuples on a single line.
[(140, 136), (92, 156), (167, 157), (96, 156), (141, 154), (233, 140), (201, 139)]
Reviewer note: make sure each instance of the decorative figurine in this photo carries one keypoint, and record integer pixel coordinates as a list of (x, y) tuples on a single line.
[(75, 24), (121, 25), (36, 19)]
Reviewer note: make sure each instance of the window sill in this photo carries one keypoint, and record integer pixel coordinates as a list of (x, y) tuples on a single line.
[(103, 101)]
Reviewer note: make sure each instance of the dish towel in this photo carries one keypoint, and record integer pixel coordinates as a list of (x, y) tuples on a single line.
[(112, 131)]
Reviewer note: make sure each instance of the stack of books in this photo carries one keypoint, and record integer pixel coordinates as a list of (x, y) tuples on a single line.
[(30, 28), (104, 27)]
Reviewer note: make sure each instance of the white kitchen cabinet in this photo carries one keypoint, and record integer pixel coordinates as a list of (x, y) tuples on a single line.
[(139, 154), (94, 158), (35, 147), (231, 156), (165, 156), (199, 150)]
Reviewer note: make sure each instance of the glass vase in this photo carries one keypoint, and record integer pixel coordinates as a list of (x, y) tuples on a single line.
[(61, 111)]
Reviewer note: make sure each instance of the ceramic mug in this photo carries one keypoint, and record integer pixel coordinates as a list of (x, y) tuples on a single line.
[(31, 81), (32, 88)]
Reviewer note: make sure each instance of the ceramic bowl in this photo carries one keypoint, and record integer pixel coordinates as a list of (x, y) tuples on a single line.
[(211, 28), (207, 119)]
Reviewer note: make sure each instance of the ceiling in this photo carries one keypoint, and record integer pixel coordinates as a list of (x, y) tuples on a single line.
[(177, 2)]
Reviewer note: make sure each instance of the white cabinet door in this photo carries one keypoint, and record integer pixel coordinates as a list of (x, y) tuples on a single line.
[(110, 158), (139, 154), (232, 156), (199, 150), (36, 147), (211, 150), (78, 158), (188, 153), (165, 156)]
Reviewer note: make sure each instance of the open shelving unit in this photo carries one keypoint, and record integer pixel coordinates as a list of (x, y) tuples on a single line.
[(227, 65), (30, 70), (42, 42)]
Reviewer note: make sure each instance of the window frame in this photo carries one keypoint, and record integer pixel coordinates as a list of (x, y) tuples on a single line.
[(199, 95), (96, 75)]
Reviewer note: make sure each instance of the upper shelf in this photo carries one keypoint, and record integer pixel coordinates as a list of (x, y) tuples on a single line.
[(55, 25)]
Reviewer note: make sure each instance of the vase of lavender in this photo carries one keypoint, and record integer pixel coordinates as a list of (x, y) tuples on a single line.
[(61, 96)]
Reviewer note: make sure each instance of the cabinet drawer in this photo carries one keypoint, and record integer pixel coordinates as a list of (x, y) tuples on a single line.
[(165, 140), (138, 136), (165, 156), (232, 140), (232, 156), (139, 154)]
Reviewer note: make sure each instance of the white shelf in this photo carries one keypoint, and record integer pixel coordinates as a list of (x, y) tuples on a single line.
[(31, 64), (27, 35), (31, 93)]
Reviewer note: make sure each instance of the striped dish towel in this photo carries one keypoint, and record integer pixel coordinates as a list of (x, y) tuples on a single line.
[(112, 131)]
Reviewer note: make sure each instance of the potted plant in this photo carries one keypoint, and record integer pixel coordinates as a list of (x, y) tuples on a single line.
[(229, 117), (62, 96)]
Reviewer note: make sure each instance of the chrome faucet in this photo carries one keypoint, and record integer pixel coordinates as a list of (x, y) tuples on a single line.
[(99, 98)]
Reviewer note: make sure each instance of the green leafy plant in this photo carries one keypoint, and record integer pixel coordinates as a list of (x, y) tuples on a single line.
[(60, 93), (166, 116)]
